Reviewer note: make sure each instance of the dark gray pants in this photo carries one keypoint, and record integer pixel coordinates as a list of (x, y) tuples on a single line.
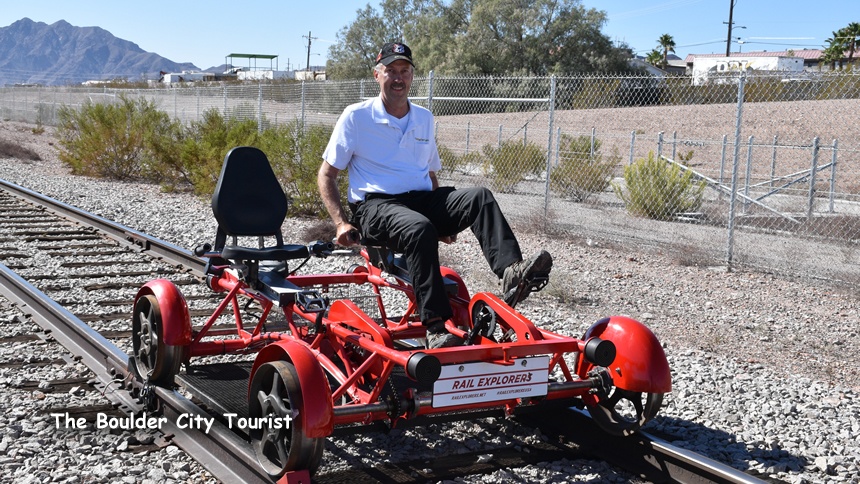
[(411, 223)]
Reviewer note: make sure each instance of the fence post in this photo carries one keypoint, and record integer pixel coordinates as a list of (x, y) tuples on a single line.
[(722, 165), (591, 150), (734, 194), (833, 174), (812, 170), (468, 133), (674, 145), (302, 122), (552, 83), (659, 144), (773, 160), (500, 136), (260, 107), (224, 91), (430, 93), (632, 144), (748, 174)]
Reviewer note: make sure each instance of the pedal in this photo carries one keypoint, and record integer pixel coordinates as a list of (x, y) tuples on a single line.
[(534, 283), (538, 281)]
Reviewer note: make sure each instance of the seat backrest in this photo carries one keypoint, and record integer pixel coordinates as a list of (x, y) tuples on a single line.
[(249, 200)]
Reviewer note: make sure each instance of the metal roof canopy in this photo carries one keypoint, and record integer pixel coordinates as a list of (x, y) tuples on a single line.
[(254, 57)]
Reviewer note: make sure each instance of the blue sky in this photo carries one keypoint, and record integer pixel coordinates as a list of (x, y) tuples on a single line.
[(205, 32)]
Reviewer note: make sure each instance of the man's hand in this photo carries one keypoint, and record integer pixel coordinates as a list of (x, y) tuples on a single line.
[(448, 239), (347, 235)]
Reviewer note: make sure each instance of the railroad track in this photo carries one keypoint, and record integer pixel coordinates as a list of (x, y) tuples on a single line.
[(75, 274)]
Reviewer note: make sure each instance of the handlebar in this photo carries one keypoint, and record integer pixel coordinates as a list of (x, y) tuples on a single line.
[(318, 248)]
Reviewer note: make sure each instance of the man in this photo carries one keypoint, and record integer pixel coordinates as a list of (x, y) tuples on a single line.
[(388, 144)]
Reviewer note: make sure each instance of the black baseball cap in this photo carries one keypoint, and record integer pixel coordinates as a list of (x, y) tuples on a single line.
[(393, 51)]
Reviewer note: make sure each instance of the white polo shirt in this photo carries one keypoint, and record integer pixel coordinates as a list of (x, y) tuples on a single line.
[(381, 158)]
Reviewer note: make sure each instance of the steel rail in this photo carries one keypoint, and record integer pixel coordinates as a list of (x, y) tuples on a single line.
[(220, 451), (688, 467), (641, 453), (107, 362), (230, 458), (126, 236)]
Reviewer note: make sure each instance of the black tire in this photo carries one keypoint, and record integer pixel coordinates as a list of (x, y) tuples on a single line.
[(154, 360), (624, 412), (276, 394)]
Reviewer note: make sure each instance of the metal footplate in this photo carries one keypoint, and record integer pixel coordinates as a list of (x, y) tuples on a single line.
[(534, 283)]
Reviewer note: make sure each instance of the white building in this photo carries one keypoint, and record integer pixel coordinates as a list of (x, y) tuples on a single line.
[(705, 67)]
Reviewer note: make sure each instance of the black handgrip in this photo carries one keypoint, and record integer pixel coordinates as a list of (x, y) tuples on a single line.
[(201, 250), (321, 249)]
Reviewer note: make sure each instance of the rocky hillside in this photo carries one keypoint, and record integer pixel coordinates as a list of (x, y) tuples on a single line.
[(62, 54)]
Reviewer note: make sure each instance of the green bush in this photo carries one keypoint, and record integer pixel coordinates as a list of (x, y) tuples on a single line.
[(131, 140), (450, 161), (113, 140), (205, 143), (658, 190), (579, 174), (511, 162), (297, 164)]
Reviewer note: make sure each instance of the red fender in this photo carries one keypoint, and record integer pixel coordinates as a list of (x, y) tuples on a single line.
[(175, 318), (640, 363), (317, 416)]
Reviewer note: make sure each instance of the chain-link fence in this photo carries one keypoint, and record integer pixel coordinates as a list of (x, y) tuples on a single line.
[(747, 170)]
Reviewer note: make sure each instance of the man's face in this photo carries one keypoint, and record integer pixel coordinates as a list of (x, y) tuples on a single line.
[(395, 80)]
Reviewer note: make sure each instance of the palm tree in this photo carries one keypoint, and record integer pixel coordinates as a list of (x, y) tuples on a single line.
[(654, 57), (850, 34), (835, 50), (667, 43)]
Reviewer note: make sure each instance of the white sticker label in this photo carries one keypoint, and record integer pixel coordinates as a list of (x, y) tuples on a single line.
[(489, 382)]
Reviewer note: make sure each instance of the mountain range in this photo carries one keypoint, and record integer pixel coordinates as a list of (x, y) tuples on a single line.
[(62, 54)]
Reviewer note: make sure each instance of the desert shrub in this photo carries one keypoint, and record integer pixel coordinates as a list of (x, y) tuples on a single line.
[(112, 140), (205, 143), (450, 161), (659, 190), (510, 163), (296, 158), (579, 174)]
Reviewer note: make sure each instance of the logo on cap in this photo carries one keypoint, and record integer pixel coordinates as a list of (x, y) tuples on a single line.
[(391, 52)]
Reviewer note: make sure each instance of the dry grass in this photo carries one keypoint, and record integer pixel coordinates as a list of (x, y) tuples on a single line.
[(10, 149)]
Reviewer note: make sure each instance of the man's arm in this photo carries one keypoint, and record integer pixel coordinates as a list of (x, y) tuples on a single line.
[(327, 183), (434, 180)]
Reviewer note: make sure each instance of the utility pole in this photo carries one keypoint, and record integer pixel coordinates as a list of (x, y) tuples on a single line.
[(729, 38), (309, 48)]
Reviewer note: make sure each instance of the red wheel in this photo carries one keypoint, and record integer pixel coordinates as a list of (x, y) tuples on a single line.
[(154, 360), (276, 399)]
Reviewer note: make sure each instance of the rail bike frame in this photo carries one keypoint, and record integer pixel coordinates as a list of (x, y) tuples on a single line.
[(323, 361)]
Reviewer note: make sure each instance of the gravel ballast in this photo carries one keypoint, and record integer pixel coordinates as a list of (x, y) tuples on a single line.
[(765, 368)]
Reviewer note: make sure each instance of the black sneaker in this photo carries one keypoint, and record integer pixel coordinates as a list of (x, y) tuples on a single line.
[(439, 337), (526, 276)]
